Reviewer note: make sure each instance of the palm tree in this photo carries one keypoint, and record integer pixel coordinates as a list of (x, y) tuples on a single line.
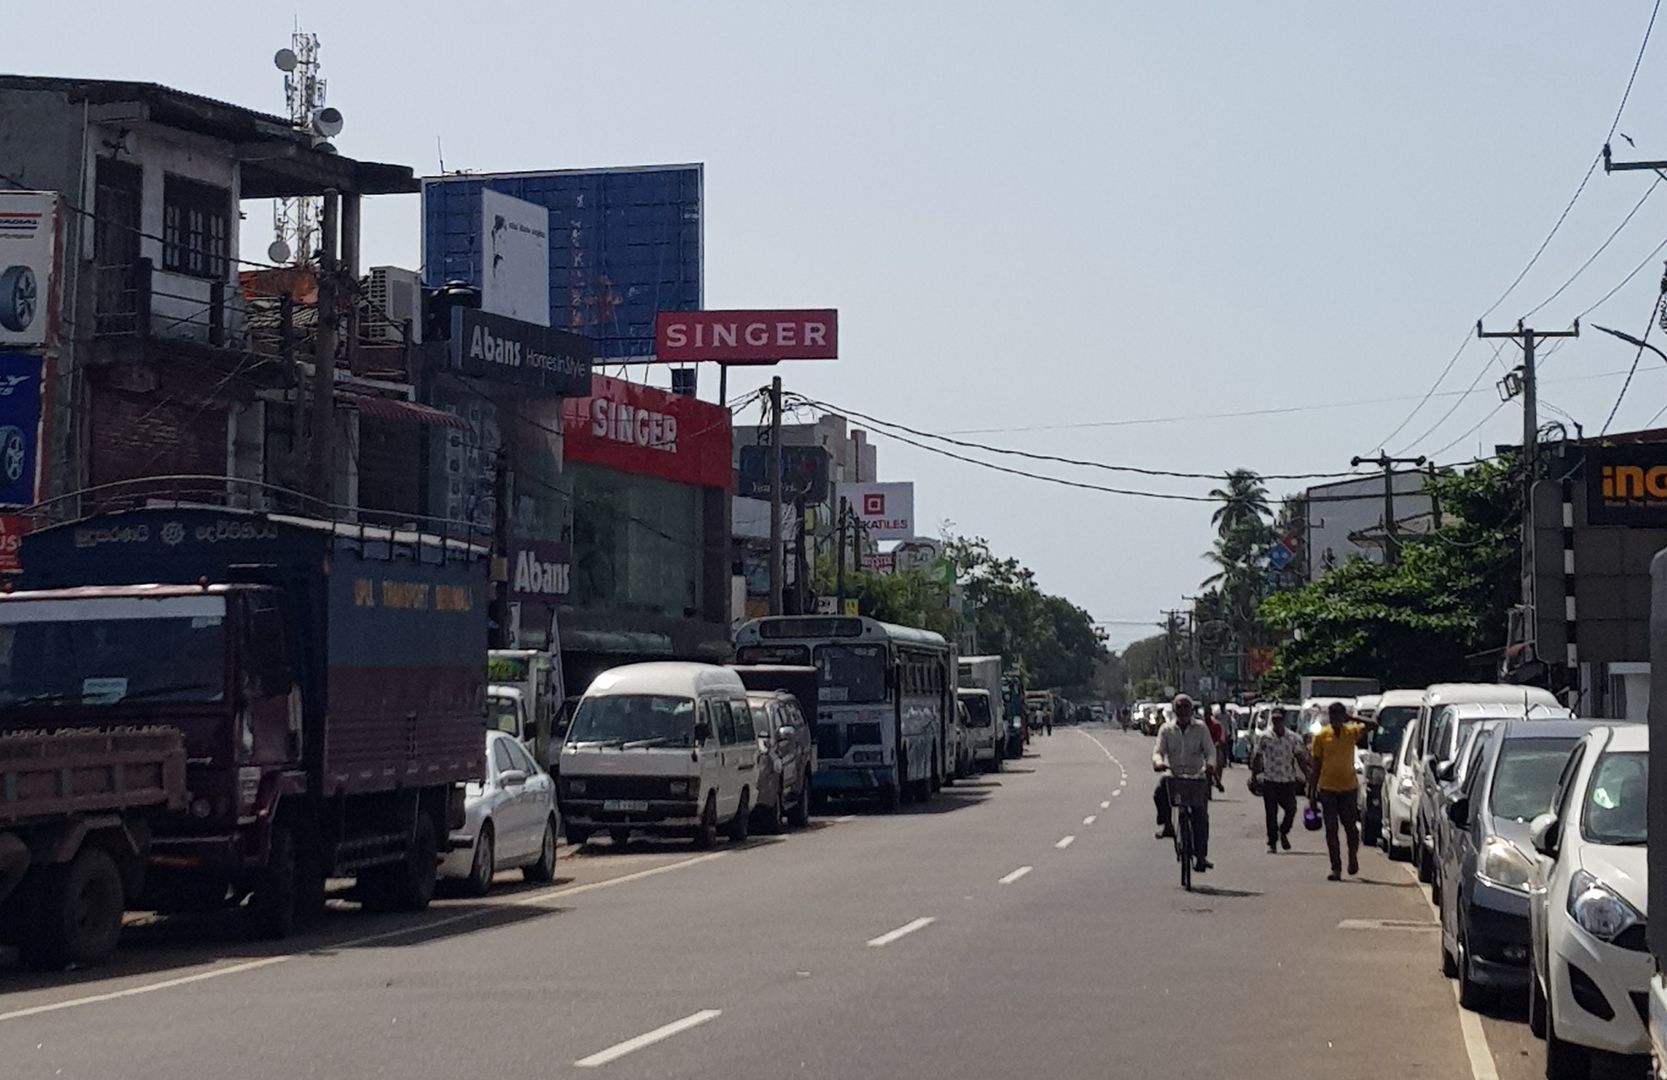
[(1243, 500)]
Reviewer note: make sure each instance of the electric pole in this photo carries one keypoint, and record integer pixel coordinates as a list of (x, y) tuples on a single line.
[(321, 438), (839, 556), (772, 469), (1526, 338), (1391, 540)]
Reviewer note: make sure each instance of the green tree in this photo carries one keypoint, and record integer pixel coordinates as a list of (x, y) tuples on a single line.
[(1244, 500)]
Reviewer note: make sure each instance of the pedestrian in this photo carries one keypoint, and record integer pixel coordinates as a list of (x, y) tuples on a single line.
[(1279, 764), (1332, 785), (1185, 751), (1218, 738)]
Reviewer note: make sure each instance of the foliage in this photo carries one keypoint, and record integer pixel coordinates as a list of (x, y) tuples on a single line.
[(1146, 661), (1415, 623)]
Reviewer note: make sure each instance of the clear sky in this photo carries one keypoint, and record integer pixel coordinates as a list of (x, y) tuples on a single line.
[(1034, 216)]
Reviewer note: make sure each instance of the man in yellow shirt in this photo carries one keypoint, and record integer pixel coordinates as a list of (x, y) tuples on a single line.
[(1332, 784)]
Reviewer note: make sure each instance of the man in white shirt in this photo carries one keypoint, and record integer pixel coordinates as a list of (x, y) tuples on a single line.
[(1185, 751), (1279, 764)]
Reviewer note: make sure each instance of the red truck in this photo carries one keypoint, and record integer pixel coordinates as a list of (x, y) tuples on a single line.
[(326, 681)]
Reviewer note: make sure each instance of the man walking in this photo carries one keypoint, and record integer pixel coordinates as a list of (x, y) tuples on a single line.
[(1218, 735), (1279, 762), (1186, 752), (1332, 783)]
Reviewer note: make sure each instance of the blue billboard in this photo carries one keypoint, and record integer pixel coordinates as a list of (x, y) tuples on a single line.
[(20, 422), (624, 244)]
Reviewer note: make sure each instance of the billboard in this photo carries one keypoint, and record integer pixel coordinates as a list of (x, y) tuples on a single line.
[(648, 431), (505, 350), (1627, 485), (624, 244), (28, 241), (515, 263), (804, 473), (886, 511), (746, 337), (20, 422)]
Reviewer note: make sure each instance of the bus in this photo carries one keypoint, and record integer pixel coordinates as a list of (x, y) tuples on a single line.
[(886, 699)]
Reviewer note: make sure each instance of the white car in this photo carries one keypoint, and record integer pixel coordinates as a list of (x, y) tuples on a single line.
[(510, 820), (1400, 792), (1587, 904)]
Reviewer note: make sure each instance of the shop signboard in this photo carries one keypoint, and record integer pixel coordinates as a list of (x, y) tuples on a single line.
[(648, 431), (746, 337), (515, 261), (12, 529), (539, 570), (28, 243), (804, 473), (504, 350), (1627, 485), (886, 511), (20, 422)]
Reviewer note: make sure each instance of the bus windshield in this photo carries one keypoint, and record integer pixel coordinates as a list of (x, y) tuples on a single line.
[(852, 674)]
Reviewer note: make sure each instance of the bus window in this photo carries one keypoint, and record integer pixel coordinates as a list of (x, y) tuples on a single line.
[(852, 674)]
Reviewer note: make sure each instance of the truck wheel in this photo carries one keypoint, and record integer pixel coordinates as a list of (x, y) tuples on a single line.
[(81, 912), (411, 882), (273, 902), (543, 871), (889, 798)]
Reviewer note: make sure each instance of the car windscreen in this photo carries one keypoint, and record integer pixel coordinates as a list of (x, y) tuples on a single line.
[(851, 674), (624, 719), (978, 710), (1525, 778), (1617, 799), (791, 655), (106, 651), (1392, 721)]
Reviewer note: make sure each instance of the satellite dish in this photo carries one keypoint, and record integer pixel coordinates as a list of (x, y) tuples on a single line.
[(327, 122), (285, 60), (278, 251)]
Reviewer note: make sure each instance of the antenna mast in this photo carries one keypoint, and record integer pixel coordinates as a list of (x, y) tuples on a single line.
[(295, 221)]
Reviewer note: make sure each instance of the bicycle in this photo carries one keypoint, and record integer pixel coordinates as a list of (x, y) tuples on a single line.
[(1186, 793)]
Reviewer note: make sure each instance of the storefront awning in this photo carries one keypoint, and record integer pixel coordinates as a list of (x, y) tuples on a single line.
[(409, 411)]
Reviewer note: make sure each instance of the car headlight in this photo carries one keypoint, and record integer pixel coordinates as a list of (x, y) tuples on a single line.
[(575, 787), (1598, 909), (678, 788), (1504, 865)]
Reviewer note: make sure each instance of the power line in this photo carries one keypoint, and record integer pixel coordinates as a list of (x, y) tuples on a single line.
[(1639, 205), (1636, 357)]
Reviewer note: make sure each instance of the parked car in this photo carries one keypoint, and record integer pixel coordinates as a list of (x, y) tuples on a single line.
[(1393, 711), (788, 757), (1400, 792), (665, 747), (1434, 700), (510, 819), (1510, 777), (959, 750), (1588, 902), (983, 714), (1450, 725)]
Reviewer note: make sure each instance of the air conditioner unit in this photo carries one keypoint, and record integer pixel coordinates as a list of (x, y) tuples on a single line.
[(393, 300)]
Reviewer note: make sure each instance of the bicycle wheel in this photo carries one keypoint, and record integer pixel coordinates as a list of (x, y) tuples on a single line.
[(1184, 838)]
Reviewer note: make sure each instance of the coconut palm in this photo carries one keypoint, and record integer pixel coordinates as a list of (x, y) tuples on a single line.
[(1244, 500)]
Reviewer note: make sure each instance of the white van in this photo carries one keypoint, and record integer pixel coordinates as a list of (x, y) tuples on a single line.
[(1436, 698), (664, 748)]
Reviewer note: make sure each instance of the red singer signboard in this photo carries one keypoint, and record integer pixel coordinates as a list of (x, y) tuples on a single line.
[(746, 337), (645, 430), (12, 528)]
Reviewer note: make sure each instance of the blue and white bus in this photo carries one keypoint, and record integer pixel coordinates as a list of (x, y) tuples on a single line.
[(886, 694)]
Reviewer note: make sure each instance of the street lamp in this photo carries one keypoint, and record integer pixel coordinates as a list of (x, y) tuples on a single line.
[(1630, 340)]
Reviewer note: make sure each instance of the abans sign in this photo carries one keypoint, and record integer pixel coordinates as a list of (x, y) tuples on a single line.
[(505, 350), (746, 337), (1627, 485)]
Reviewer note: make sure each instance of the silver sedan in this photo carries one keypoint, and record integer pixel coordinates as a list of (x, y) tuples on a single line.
[(510, 820)]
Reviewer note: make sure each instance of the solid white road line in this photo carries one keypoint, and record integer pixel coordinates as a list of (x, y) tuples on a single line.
[(1090, 819), (1476, 1046), (659, 1034), (1116, 793), (1065, 843), (531, 899), (1015, 875), (902, 931), (1105, 805), (1104, 751)]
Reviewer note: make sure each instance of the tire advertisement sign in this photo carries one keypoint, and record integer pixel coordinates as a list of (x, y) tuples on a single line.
[(28, 234), (20, 421)]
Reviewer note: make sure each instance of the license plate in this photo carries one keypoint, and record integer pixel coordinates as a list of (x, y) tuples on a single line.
[(626, 805)]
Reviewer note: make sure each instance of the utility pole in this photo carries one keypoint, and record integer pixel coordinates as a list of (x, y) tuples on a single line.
[(839, 556), (321, 439), (801, 567), (1391, 540), (1526, 338), (772, 469), (500, 547), (1172, 648)]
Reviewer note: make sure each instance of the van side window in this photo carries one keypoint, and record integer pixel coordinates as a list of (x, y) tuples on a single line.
[(726, 723), (744, 730)]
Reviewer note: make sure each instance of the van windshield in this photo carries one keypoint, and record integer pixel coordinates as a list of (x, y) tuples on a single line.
[(1391, 722), (978, 710), (634, 719)]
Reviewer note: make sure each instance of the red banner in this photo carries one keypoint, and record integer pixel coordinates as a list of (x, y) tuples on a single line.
[(645, 430), (12, 528), (746, 337)]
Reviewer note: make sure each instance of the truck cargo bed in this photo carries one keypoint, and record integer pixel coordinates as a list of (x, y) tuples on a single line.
[(52, 773)]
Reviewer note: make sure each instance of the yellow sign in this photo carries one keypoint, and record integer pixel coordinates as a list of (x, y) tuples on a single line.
[(851, 608)]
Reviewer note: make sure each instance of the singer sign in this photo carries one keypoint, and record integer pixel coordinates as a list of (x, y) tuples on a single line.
[(746, 337)]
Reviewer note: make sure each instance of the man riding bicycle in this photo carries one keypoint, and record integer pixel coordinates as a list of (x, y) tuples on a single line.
[(1186, 752)]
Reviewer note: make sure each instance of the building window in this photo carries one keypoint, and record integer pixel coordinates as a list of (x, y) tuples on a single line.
[(196, 228)]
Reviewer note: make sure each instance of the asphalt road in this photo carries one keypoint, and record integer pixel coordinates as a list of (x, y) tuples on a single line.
[(1024, 924)]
